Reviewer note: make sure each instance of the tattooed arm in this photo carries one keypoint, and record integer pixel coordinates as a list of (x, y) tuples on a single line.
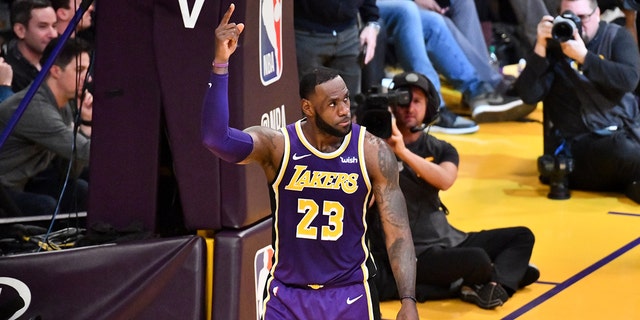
[(382, 168)]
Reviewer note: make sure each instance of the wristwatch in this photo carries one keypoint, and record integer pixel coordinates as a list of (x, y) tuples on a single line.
[(374, 24)]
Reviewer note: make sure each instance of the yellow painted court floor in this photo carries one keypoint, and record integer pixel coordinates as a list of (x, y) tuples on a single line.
[(587, 247)]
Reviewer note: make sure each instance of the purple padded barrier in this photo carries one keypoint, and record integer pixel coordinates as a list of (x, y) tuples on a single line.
[(148, 279), (234, 284)]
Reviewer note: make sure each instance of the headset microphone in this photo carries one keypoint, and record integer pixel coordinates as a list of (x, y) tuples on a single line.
[(418, 128)]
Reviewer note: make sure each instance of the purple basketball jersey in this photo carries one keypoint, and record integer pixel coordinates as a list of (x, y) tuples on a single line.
[(320, 202)]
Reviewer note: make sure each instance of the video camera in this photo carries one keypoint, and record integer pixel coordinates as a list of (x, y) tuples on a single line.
[(564, 26), (373, 109)]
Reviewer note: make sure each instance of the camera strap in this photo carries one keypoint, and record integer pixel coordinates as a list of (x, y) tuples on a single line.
[(563, 149)]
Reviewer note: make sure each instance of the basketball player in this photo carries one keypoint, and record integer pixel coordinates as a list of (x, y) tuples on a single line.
[(323, 171)]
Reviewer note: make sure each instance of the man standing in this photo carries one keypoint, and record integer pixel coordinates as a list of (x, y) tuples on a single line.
[(323, 170), (328, 34)]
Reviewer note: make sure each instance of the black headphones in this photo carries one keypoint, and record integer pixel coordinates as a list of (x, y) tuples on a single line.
[(405, 80)]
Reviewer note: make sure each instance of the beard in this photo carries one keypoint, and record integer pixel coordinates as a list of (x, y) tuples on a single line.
[(325, 127)]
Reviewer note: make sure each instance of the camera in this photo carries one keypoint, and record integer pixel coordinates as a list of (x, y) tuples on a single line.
[(555, 170), (564, 26), (373, 109)]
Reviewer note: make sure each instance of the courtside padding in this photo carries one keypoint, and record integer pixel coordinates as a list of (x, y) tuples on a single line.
[(147, 279), (234, 290)]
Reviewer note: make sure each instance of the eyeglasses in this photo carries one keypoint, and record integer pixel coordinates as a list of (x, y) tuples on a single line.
[(587, 17)]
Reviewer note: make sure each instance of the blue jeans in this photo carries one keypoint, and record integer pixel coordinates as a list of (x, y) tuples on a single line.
[(40, 195), (439, 49), (402, 24)]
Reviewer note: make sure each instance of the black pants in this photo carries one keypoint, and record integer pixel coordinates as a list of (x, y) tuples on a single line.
[(605, 163), (500, 255)]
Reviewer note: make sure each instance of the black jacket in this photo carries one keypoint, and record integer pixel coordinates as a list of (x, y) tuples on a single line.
[(598, 97), (326, 16)]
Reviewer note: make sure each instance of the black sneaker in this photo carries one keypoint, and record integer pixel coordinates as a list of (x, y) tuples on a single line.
[(530, 276), (451, 123), (487, 296), (495, 107)]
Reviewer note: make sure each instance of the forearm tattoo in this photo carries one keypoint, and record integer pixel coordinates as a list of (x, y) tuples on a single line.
[(393, 211)]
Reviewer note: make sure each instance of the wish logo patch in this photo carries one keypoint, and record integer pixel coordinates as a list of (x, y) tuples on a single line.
[(270, 41)]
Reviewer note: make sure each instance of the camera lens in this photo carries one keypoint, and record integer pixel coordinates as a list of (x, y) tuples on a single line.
[(565, 25), (562, 31)]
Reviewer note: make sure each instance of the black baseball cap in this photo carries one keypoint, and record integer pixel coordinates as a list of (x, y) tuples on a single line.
[(405, 80), (408, 79)]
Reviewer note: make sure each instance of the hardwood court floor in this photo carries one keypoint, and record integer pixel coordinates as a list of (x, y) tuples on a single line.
[(587, 247)]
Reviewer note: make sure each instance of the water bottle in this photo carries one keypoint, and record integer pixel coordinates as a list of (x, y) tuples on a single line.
[(493, 59)]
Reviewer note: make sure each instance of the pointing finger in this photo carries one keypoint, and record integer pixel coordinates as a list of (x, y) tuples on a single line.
[(227, 15)]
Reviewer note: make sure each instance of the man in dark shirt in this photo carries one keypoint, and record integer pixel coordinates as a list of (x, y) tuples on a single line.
[(484, 267), (33, 24), (586, 84)]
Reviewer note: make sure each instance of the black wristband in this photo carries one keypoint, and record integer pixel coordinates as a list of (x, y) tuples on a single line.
[(409, 297), (86, 123)]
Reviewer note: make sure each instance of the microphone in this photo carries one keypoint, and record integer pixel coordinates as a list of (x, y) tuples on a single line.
[(418, 128)]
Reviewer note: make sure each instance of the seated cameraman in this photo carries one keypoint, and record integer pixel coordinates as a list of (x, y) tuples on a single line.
[(484, 267), (586, 83)]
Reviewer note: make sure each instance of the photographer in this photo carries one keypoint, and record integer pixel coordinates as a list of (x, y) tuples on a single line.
[(484, 267), (586, 85)]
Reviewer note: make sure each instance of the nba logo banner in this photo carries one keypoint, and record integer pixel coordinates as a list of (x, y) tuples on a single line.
[(262, 266), (270, 41)]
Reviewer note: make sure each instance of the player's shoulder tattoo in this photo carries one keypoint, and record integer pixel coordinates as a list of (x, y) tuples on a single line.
[(373, 140), (386, 159)]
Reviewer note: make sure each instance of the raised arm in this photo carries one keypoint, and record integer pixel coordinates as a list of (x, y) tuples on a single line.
[(229, 144), (440, 175), (383, 171), (535, 80)]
